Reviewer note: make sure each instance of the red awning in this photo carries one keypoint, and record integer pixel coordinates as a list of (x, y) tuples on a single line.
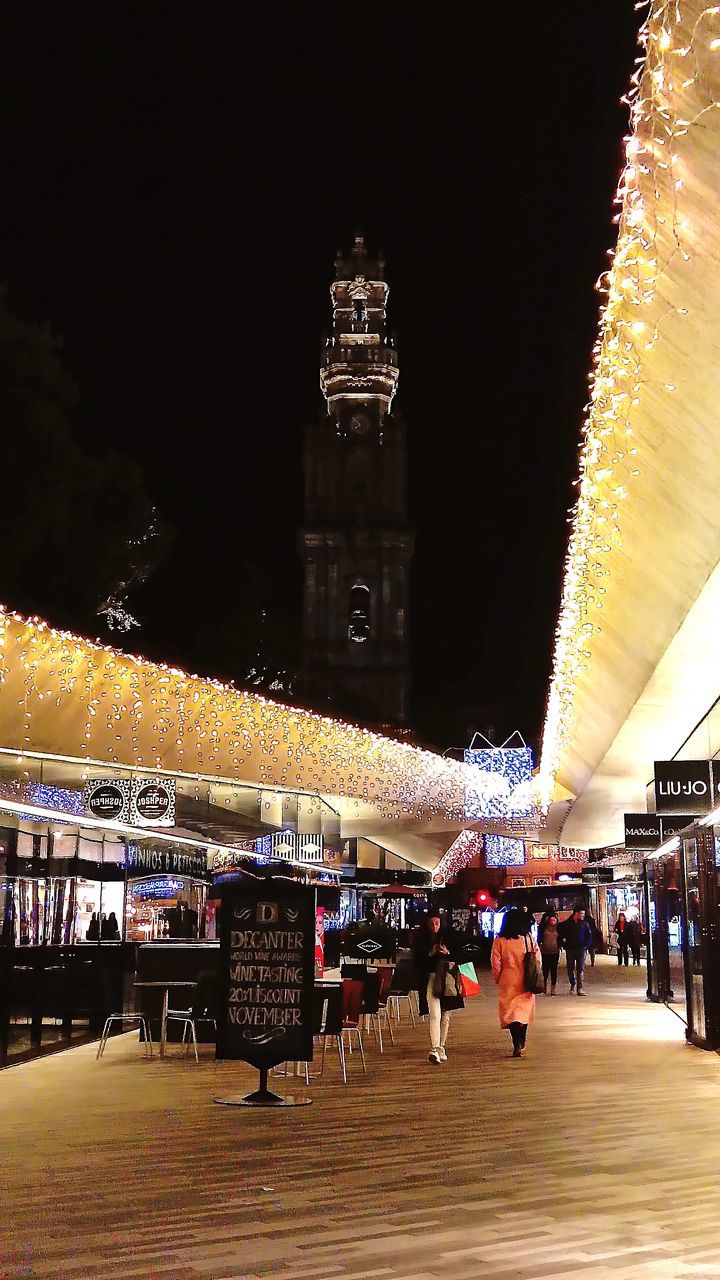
[(400, 891)]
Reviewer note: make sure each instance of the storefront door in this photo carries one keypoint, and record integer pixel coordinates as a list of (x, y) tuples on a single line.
[(694, 941), (666, 932)]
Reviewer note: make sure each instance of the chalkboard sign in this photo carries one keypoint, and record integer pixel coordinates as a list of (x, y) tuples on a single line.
[(267, 960)]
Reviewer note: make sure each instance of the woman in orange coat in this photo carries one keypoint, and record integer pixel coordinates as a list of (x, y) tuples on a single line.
[(516, 1005)]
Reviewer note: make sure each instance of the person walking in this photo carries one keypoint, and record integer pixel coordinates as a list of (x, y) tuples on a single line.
[(595, 935), (432, 947), (622, 934), (636, 937), (516, 1005), (549, 944), (577, 939)]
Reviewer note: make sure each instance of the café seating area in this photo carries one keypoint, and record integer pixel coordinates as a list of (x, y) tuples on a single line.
[(358, 1009), (351, 1007)]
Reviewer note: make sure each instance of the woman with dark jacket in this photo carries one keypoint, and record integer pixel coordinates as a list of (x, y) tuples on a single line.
[(431, 947), (622, 933), (549, 944), (636, 937)]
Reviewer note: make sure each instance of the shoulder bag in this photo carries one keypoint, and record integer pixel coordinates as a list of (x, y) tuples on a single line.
[(532, 970)]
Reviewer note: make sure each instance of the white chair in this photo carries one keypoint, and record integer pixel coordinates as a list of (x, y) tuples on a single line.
[(138, 1018)]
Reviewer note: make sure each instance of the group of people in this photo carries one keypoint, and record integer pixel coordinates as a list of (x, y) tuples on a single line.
[(439, 989), (578, 936), (435, 954), (103, 928), (630, 936)]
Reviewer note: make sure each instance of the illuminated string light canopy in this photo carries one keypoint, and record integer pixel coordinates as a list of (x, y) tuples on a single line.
[(651, 420), (464, 850), (63, 695)]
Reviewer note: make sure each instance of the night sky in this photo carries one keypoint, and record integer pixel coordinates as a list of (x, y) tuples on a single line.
[(175, 185)]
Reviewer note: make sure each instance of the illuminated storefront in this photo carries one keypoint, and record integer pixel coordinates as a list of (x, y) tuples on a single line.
[(683, 902)]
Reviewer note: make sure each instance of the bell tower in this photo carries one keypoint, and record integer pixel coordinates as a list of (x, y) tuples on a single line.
[(356, 543)]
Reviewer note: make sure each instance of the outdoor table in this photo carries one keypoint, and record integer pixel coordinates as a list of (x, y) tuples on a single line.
[(165, 983)]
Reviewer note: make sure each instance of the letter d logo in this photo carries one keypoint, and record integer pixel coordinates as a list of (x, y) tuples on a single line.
[(267, 913)]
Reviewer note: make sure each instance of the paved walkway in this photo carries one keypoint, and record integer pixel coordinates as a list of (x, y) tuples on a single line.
[(596, 1157)]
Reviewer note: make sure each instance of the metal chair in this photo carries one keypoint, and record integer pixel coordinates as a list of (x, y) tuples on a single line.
[(204, 1009), (138, 1018), (372, 1007), (404, 987), (352, 1007), (386, 977), (327, 1024)]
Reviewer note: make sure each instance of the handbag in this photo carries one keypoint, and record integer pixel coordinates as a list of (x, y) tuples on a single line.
[(532, 971), (446, 986)]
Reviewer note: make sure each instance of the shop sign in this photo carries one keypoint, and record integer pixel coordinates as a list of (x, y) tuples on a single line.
[(176, 862), (671, 825), (152, 802), (643, 832), (377, 942), (158, 887), (267, 964), (597, 875), (141, 802), (108, 798), (684, 786)]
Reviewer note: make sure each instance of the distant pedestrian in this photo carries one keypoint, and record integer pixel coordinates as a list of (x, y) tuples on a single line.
[(516, 1005), (595, 935), (112, 928), (622, 934), (432, 947), (636, 937), (577, 940), (93, 929), (549, 944)]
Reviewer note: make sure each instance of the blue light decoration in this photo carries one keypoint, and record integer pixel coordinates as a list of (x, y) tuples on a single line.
[(62, 798), (161, 887), (264, 848), (503, 851), (501, 785)]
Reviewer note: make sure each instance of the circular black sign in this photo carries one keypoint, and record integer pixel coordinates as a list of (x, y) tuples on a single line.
[(153, 802), (106, 801)]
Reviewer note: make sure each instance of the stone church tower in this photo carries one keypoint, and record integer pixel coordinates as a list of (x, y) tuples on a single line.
[(356, 542)]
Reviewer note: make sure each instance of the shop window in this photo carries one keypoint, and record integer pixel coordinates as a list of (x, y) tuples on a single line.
[(359, 614), (64, 844)]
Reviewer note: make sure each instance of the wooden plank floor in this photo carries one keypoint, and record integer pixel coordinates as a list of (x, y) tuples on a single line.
[(597, 1156)]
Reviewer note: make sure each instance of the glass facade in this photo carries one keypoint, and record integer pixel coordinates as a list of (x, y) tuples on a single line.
[(684, 915)]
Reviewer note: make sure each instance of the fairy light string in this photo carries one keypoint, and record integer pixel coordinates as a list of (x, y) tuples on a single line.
[(676, 83), (65, 695)]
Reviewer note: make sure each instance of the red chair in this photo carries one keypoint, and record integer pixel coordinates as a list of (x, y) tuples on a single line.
[(353, 990), (386, 977)]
